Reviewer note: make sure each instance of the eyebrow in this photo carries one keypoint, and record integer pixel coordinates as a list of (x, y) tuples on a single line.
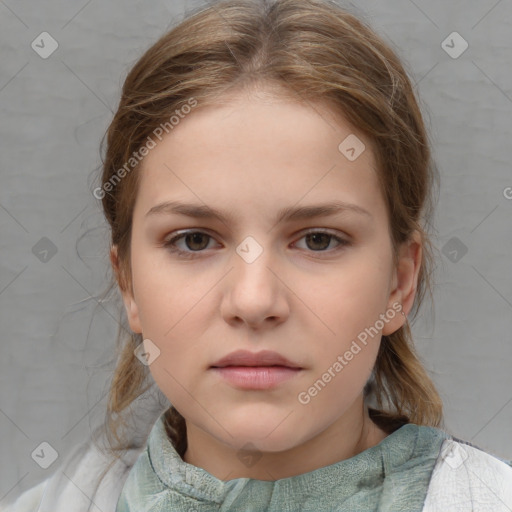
[(285, 214)]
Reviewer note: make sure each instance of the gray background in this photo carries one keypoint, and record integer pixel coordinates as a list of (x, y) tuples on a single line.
[(57, 349)]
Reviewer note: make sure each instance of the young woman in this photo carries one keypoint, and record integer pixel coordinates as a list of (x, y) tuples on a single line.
[(268, 183)]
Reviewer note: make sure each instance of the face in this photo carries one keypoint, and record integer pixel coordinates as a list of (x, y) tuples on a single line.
[(303, 287)]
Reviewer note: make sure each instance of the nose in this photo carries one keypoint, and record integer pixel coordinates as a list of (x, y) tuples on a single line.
[(255, 292)]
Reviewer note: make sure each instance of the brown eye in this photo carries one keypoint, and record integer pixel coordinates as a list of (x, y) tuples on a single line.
[(194, 242), (319, 241)]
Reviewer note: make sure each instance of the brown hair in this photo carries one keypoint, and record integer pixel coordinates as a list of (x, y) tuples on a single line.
[(315, 51)]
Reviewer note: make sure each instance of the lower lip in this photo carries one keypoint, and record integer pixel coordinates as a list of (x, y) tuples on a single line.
[(257, 377)]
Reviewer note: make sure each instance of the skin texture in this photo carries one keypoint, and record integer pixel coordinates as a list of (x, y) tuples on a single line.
[(307, 299)]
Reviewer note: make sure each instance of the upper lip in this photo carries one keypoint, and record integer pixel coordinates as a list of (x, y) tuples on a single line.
[(246, 358)]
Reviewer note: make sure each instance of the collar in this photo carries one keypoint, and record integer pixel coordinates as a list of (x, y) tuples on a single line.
[(398, 468)]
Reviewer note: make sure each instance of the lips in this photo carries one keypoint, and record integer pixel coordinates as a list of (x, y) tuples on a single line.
[(260, 371), (246, 358)]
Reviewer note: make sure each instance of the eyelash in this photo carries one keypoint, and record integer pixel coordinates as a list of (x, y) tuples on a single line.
[(170, 244)]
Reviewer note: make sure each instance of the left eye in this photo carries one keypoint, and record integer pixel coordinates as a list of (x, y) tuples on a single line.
[(323, 239), (195, 241)]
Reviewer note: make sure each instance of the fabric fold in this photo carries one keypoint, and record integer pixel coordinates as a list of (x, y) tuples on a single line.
[(392, 475)]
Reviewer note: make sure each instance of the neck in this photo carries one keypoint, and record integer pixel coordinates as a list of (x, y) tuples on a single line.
[(349, 435)]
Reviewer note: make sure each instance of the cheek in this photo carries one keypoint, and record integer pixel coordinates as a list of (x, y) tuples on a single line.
[(163, 294), (350, 298), (350, 305), (171, 307), (336, 387)]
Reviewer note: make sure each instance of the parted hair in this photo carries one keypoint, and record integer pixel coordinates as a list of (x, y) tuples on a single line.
[(314, 51)]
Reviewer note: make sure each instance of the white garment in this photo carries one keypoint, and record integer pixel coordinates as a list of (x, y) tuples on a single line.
[(79, 485), (468, 479), (464, 479), (81, 490)]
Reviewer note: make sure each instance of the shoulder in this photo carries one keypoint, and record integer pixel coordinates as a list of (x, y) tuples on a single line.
[(86, 476), (466, 478), (29, 501)]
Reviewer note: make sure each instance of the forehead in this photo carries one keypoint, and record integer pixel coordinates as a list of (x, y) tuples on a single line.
[(258, 153)]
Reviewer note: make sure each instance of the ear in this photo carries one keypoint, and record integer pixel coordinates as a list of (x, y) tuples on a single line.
[(404, 282), (130, 305)]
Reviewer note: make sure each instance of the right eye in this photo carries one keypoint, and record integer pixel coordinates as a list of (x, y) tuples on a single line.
[(194, 240)]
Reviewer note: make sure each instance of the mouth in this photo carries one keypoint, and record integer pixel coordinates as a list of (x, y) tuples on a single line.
[(256, 366), (256, 377), (256, 371), (263, 359)]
